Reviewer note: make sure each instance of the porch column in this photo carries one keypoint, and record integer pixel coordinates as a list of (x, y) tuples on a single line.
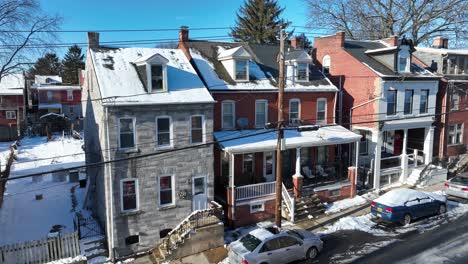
[(377, 156), (232, 190), (298, 179), (404, 158), (428, 144)]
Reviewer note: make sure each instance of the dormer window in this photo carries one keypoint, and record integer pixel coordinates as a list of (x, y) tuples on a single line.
[(402, 64), (157, 78), (302, 72), (153, 72), (404, 59), (242, 70)]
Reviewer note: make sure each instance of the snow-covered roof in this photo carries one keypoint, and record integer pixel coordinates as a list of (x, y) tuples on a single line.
[(119, 79), (443, 51), (408, 123), (47, 79), (381, 49), (57, 87), (327, 135), (237, 52), (12, 84)]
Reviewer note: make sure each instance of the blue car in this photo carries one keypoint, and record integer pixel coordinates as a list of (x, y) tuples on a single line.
[(404, 205)]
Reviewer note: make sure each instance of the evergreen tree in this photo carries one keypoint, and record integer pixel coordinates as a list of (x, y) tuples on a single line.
[(49, 64), (72, 62), (258, 21)]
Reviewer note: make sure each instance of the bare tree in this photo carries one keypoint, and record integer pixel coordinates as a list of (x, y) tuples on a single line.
[(374, 19), (24, 30)]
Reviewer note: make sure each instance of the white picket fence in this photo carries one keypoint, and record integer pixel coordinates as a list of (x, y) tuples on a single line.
[(41, 251)]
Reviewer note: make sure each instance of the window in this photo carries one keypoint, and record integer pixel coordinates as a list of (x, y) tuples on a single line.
[(166, 191), (334, 193), (391, 102), (408, 107), (70, 95), (10, 114), (455, 101), (257, 207), (49, 95), (294, 110), (248, 164), (302, 72), (461, 65), (261, 113), (129, 194), (127, 133), (163, 132), (228, 112), (455, 134), (321, 110), (271, 245), (130, 240), (287, 241), (322, 155), (157, 79), (452, 60), (402, 63), (423, 104), (196, 124), (326, 64), (363, 144), (242, 70)]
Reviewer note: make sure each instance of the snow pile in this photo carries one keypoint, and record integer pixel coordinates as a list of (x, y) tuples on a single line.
[(341, 205), (68, 260), (4, 153), (362, 223), (455, 210)]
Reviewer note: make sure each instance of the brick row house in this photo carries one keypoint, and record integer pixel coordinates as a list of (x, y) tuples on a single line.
[(243, 80), (389, 98), (155, 103), (452, 127), (12, 111)]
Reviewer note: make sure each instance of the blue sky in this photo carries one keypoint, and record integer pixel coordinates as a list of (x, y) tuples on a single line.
[(120, 14)]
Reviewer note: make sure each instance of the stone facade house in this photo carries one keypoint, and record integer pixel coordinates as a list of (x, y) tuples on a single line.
[(12, 110), (145, 101)]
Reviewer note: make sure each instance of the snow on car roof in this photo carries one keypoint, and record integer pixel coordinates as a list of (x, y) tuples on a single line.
[(261, 233), (397, 197)]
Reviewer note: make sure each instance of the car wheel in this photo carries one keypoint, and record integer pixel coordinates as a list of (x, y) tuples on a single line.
[(407, 219), (312, 253), (442, 209)]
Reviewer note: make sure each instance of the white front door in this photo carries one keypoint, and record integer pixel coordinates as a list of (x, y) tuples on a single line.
[(269, 166), (200, 198)]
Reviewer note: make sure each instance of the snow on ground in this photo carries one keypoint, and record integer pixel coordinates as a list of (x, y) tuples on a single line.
[(4, 153), (22, 217), (362, 223), (341, 205), (68, 260)]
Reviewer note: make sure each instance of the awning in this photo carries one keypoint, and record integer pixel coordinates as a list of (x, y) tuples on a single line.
[(50, 106), (328, 135), (408, 123)]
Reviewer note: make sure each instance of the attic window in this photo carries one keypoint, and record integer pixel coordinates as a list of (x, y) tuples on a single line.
[(402, 63), (157, 78), (302, 72), (242, 70), (326, 64), (404, 59)]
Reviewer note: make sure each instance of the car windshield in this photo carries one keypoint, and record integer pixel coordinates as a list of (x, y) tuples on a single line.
[(294, 233), (250, 242), (462, 180)]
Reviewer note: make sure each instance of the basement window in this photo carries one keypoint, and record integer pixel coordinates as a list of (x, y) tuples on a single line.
[(257, 207), (130, 240)]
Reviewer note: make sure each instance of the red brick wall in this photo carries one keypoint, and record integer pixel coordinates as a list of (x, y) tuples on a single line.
[(60, 96), (325, 194), (9, 103), (244, 217)]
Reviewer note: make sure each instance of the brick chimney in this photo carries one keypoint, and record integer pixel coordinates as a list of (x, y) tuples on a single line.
[(340, 37), (440, 43), (183, 34), (93, 40), (392, 41), (296, 43)]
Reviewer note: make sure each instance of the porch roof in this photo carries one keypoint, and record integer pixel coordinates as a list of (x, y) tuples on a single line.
[(408, 123), (327, 135)]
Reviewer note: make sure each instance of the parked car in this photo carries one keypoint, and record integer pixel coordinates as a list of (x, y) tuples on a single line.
[(457, 186), (404, 205), (267, 246)]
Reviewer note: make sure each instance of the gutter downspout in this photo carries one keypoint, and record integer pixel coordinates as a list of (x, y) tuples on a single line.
[(111, 191)]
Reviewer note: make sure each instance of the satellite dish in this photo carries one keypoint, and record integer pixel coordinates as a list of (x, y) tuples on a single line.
[(242, 122)]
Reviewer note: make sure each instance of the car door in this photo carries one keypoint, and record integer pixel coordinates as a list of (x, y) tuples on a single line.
[(412, 207), (270, 252), (292, 248), (427, 205)]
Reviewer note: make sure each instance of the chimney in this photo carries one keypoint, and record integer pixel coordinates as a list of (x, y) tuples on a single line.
[(440, 43), (183, 34), (340, 37), (93, 40), (392, 41), (296, 43)]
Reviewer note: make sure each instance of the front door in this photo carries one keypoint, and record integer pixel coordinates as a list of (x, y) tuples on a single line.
[(200, 198), (269, 166)]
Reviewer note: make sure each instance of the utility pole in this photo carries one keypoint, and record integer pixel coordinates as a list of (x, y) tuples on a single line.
[(279, 176)]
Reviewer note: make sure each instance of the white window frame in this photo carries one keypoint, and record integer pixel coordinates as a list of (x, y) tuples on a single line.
[(233, 114), (266, 113), (334, 190), (202, 128), (137, 194), (297, 72), (10, 115), (69, 95), (454, 134), (261, 209), (235, 70), (410, 110), (171, 133), (317, 111), (134, 132), (326, 64), (298, 109), (454, 106), (173, 187), (425, 92), (150, 77)]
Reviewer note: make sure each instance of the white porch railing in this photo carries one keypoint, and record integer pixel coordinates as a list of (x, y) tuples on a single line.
[(390, 162), (289, 201), (255, 190)]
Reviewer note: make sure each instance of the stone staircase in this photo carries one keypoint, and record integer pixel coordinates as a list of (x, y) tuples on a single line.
[(426, 175), (94, 249), (166, 250), (308, 207)]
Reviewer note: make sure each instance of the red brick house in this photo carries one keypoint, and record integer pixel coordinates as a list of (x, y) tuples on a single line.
[(242, 78), (452, 133), (389, 98), (12, 88)]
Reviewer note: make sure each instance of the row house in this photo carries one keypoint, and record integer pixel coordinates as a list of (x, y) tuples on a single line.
[(243, 80), (452, 100), (142, 101), (389, 98), (12, 109)]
